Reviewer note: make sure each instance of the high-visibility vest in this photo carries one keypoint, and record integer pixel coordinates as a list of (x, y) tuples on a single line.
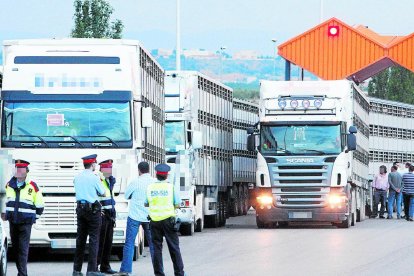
[(107, 201), (160, 197), (24, 204)]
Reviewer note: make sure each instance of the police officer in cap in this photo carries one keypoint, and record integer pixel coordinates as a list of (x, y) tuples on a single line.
[(162, 200), (24, 204), (88, 188), (108, 217)]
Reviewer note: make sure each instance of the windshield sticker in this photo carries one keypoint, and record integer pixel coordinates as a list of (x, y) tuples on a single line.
[(55, 119)]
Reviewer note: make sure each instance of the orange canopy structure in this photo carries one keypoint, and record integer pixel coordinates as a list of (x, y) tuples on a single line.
[(334, 50)]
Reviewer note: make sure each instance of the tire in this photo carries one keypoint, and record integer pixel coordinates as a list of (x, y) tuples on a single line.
[(187, 229), (235, 202), (199, 225), (136, 253), (3, 269), (283, 223), (260, 224), (241, 201), (245, 200), (358, 215)]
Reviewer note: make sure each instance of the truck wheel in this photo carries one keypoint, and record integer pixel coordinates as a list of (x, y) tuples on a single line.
[(187, 229), (245, 200), (199, 225), (212, 221), (346, 223), (235, 202), (260, 224), (3, 269)]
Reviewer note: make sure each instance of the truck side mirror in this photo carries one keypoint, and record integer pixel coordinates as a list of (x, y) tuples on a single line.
[(353, 129), (251, 142), (197, 139), (351, 142), (146, 117)]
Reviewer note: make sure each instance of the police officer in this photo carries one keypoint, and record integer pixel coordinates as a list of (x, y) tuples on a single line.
[(162, 200), (108, 217), (88, 188), (24, 204)]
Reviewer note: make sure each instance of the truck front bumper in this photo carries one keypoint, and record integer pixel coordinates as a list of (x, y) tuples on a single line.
[(65, 238), (324, 214)]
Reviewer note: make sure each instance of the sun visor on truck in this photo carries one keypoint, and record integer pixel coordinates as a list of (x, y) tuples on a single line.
[(105, 96)]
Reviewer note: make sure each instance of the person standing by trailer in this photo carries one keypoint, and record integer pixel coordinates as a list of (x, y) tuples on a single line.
[(108, 217), (138, 215), (162, 200), (88, 188), (408, 192), (24, 204), (395, 193), (380, 186)]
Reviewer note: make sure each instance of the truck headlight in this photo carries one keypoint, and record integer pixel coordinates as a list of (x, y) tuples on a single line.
[(336, 200), (121, 216), (265, 200)]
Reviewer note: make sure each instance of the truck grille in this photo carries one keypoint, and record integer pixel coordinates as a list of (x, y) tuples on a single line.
[(58, 213), (300, 185), (55, 177)]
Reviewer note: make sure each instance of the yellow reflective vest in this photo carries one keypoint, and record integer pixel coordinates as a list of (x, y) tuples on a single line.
[(24, 204), (160, 196), (108, 202)]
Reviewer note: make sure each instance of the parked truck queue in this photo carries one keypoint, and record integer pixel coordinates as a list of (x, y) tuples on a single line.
[(302, 154)]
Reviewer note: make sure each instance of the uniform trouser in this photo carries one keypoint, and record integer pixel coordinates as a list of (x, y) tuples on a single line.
[(20, 238), (406, 201), (160, 229), (379, 195), (105, 242), (89, 223)]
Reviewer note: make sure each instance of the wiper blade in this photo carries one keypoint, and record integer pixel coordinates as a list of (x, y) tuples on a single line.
[(285, 150), (317, 151), (100, 136), (34, 144), (68, 144)]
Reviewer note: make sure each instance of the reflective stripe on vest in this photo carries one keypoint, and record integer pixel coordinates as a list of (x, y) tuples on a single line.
[(160, 199), (24, 205), (106, 201)]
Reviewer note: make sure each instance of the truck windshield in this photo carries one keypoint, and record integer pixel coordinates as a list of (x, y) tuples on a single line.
[(174, 136), (301, 139), (58, 123)]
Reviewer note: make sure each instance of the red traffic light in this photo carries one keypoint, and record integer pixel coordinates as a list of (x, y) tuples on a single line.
[(333, 30)]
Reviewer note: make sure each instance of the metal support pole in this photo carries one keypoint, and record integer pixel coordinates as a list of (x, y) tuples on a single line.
[(178, 39), (287, 70)]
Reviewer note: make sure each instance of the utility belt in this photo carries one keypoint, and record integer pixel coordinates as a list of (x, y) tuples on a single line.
[(87, 206), (376, 189)]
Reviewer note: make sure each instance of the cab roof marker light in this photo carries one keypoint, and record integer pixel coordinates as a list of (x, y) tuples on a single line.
[(305, 104), (282, 104), (317, 103), (294, 104)]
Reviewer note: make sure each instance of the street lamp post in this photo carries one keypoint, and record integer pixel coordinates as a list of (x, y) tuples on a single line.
[(178, 38), (274, 57), (222, 48)]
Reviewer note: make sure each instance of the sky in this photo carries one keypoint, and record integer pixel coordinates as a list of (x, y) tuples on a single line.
[(209, 24)]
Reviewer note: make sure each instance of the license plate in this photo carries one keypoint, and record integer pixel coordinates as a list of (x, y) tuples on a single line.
[(63, 243), (300, 215)]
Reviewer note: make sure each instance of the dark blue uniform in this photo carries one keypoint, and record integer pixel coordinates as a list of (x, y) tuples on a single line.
[(87, 187), (108, 218), (24, 204)]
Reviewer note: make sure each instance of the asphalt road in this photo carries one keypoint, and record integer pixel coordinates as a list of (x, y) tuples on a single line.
[(372, 247)]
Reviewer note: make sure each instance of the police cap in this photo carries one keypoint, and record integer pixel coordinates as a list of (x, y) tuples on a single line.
[(106, 163), (162, 169), (19, 163), (89, 159)]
